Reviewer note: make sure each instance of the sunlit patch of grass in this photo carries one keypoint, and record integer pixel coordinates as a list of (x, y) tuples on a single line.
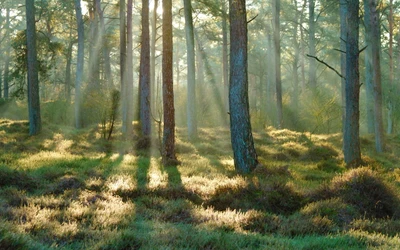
[(120, 182)]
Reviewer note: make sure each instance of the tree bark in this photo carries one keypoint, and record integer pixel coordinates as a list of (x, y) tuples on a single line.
[(191, 72), (245, 156), (35, 124), (225, 57), (351, 138), (129, 70), (144, 75), (277, 43), (153, 57), (168, 86), (343, 37), (79, 65)]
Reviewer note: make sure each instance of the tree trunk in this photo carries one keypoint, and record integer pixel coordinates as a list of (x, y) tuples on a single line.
[(225, 59), (245, 157), (376, 74), (312, 74), (35, 124), (168, 86), (68, 72), (277, 43), (391, 71), (351, 140), (144, 77), (368, 71), (122, 64), (79, 65), (295, 64), (7, 56), (343, 36), (153, 57), (191, 72), (129, 71)]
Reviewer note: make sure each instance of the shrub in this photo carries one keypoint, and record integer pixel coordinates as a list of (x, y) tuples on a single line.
[(334, 209), (363, 189), (320, 152), (10, 177)]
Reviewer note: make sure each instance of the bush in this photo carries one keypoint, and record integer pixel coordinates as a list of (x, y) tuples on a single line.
[(334, 209), (363, 189), (320, 152)]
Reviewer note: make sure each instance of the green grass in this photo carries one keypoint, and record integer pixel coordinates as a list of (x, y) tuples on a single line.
[(71, 189)]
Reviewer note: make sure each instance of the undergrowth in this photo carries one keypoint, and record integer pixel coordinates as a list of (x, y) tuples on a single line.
[(71, 189)]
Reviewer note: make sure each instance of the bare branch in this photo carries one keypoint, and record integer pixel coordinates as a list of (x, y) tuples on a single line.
[(327, 65)]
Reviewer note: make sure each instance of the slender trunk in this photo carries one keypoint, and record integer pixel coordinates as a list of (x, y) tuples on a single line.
[(245, 156), (225, 59), (168, 86), (368, 71), (351, 138), (7, 56), (277, 38), (68, 72), (122, 64), (35, 124), (79, 65), (191, 72), (391, 71), (144, 78), (153, 56), (376, 74), (295, 64), (343, 35), (129, 70), (312, 74)]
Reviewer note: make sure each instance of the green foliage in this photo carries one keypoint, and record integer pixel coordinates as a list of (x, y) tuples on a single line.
[(57, 112)]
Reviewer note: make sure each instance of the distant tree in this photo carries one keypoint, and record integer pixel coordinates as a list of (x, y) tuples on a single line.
[(343, 35), (79, 65), (35, 124), (168, 151), (245, 157), (153, 55), (369, 83), (191, 72), (351, 138), (144, 75), (376, 72), (225, 57), (312, 73), (122, 62), (7, 56)]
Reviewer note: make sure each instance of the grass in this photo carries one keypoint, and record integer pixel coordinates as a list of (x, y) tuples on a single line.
[(70, 189)]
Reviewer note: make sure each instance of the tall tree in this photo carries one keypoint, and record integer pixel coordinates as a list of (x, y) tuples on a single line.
[(225, 59), (35, 124), (144, 75), (343, 35), (168, 151), (351, 138), (376, 73), (191, 72), (245, 156), (79, 65), (312, 73), (122, 62), (277, 45), (153, 55), (369, 84), (391, 71), (129, 69), (7, 56)]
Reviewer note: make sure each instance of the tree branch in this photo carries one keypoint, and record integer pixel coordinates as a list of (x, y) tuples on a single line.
[(327, 65)]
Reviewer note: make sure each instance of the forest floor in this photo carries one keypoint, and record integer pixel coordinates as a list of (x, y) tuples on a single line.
[(71, 189)]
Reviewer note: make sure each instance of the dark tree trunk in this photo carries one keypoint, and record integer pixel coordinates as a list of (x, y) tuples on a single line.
[(68, 72), (129, 70), (191, 72), (244, 153), (35, 124), (79, 65), (351, 140), (144, 77), (277, 43), (122, 64), (168, 86)]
